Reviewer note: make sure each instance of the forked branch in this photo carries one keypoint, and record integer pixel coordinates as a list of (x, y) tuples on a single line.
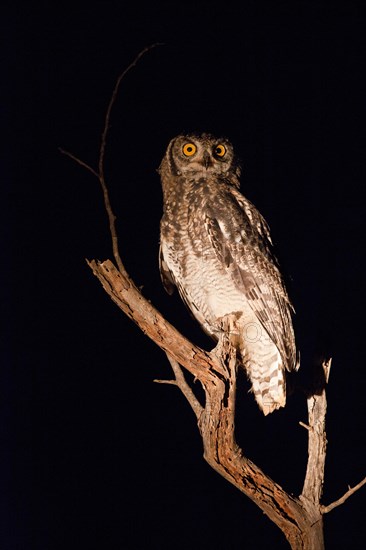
[(300, 518), (184, 387)]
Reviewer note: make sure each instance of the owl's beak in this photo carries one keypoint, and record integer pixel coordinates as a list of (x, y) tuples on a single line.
[(207, 162)]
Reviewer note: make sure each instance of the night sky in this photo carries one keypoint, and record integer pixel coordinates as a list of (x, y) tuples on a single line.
[(93, 453)]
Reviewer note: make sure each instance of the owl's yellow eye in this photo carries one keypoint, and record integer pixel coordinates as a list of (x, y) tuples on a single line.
[(220, 150), (189, 149)]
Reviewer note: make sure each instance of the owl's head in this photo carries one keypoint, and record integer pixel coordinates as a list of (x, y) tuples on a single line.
[(198, 156)]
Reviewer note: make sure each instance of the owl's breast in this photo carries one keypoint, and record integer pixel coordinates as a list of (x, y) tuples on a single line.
[(210, 289), (196, 267), (202, 281)]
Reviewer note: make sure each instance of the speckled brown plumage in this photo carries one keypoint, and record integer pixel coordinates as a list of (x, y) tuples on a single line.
[(216, 249)]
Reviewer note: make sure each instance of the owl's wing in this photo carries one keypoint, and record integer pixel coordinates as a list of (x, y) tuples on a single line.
[(166, 276), (241, 240)]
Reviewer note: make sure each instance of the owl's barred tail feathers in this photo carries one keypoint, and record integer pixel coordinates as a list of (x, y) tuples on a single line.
[(268, 383)]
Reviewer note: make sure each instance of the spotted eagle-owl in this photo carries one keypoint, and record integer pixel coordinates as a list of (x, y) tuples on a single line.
[(215, 247)]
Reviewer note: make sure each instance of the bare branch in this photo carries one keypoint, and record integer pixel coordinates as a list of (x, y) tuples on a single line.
[(100, 174), (350, 492), (317, 441), (81, 162), (129, 299), (112, 101), (298, 520), (107, 202), (184, 387)]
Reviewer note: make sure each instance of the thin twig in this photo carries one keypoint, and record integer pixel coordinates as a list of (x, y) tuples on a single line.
[(107, 202), (171, 382), (112, 101), (304, 425), (326, 509), (184, 387), (81, 162), (103, 142)]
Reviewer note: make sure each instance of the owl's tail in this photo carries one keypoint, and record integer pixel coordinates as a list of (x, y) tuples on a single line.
[(268, 380)]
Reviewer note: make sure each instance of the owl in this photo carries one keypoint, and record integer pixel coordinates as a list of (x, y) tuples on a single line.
[(216, 249)]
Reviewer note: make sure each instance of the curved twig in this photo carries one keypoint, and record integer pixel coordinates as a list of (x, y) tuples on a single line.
[(112, 101), (81, 162), (103, 143), (107, 202)]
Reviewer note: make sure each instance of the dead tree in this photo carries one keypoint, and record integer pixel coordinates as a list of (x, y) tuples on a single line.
[(300, 518)]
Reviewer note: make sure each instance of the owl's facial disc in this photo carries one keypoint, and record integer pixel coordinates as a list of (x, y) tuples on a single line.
[(197, 158), (205, 156)]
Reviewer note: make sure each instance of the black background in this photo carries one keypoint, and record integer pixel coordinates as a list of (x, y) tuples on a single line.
[(94, 454)]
